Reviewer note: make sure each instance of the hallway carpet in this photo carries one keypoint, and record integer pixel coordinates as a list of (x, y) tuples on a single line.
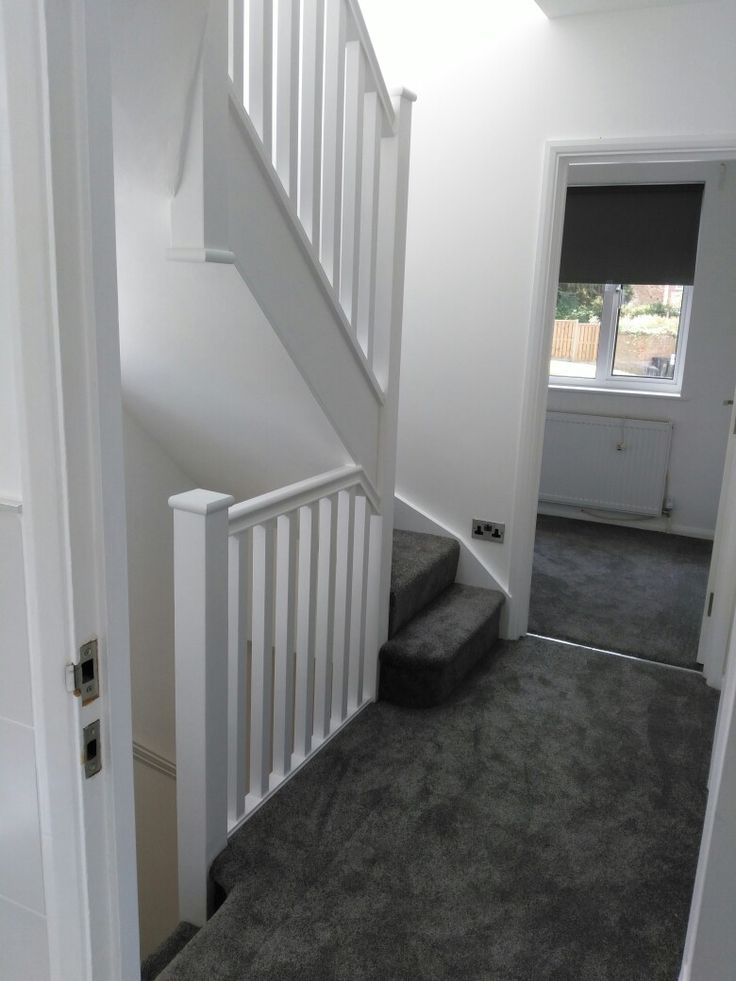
[(623, 589), (541, 825)]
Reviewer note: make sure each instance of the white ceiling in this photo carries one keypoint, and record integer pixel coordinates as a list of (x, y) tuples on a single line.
[(563, 8)]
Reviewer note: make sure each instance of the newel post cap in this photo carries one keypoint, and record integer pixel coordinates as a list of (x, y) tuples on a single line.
[(199, 501), (403, 93)]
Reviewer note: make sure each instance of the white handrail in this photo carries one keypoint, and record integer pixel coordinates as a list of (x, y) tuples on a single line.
[(375, 69), (287, 499)]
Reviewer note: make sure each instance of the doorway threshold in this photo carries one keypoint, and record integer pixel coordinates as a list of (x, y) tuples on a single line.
[(628, 657)]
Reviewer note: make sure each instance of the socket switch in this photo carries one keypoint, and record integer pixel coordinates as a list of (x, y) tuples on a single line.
[(489, 531)]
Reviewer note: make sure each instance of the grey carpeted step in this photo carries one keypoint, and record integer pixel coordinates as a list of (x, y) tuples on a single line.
[(428, 659), (155, 963), (422, 566)]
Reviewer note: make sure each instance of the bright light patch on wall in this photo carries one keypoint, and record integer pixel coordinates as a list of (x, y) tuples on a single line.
[(567, 8)]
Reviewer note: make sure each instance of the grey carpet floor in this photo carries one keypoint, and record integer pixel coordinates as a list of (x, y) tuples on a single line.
[(541, 825), (623, 589)]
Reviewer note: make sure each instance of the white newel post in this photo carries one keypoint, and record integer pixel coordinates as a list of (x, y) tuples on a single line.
[(391, 260), (201, 619)]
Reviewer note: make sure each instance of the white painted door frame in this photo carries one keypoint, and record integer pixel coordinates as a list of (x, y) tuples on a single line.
[(706, 915), (559, 156), (63, 322), (710, 945), (720, 597)]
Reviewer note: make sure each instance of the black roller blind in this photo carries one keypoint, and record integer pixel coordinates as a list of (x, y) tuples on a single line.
[(633, 233)]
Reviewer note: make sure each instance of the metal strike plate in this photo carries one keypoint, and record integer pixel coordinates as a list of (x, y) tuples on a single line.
[(86, 673), (91, 750)]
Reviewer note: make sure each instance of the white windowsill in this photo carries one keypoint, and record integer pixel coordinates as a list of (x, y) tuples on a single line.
[(635, 393)]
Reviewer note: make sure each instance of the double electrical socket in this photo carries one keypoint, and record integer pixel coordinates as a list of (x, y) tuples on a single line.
[(489, 531)]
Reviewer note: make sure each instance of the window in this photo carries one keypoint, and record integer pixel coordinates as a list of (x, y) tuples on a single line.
[(626, 272), (628, 337)]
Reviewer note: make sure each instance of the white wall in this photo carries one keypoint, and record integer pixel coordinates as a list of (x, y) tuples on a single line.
[(10, 485), (9, 455), (494, 85), (23, 936), (151, 477), (202, 368), (155, 829), (701, 421), (23, 926)]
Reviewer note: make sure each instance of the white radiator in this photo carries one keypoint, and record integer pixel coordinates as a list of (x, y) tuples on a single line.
[(605, 462)]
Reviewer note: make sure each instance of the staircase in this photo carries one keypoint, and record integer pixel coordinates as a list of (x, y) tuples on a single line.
[(294, 174), (438, 629)]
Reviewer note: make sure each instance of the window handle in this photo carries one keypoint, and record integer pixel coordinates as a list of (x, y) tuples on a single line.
[(728, 401)]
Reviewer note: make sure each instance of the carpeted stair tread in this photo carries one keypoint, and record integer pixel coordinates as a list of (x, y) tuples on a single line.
[(422, 566), (424, 663), (162, 956)]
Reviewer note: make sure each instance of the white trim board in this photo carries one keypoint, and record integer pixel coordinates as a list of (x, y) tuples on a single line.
[(153, 760)]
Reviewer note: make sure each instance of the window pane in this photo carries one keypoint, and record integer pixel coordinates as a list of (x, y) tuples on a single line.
[(577, 330), (647, 331)]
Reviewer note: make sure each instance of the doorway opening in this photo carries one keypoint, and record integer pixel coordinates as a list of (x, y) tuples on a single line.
[(691, 388), (623, 537)]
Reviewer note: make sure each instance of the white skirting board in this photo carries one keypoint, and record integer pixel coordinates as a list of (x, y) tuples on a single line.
[(661, 523), (606, 462)]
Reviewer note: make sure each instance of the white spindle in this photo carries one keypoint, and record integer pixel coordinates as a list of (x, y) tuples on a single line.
[(374, 634), (200, 601), (372, 130), (305, 630), (358, 601), (310, 115), (332, 135), (261, 730), (236, 45), (260, 69), (343, 599), (325, 616), (283, 722), (352, 175), (239, 594), (286, 149)]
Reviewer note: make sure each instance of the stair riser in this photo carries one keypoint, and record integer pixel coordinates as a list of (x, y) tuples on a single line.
[(417, 686), (414, 597)]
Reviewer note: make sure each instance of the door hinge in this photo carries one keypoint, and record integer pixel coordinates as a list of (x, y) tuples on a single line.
[(710, 603), (83, 678)]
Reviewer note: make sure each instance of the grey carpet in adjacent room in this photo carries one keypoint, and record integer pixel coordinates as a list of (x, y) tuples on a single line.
[(623, 589), (541, 825)]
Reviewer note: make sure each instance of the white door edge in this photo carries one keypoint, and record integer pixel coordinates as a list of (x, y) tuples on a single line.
[(64, 328)]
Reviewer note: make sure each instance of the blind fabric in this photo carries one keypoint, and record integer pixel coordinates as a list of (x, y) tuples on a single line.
[(633, 233)]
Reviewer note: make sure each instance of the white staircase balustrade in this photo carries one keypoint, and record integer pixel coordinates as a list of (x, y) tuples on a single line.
[(291, 118), (307, 75), (294, 169), (277, 634)]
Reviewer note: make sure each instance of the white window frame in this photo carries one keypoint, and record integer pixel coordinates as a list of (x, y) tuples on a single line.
[(604, 379)]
